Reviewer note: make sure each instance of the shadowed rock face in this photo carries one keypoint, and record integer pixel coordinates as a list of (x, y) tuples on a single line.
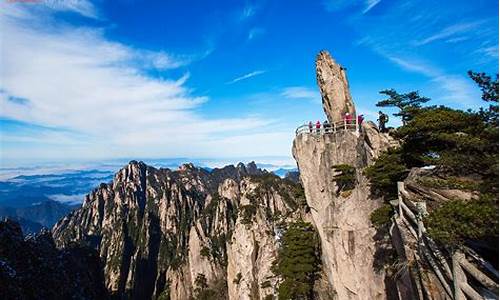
[(334, 88), (33, 268)]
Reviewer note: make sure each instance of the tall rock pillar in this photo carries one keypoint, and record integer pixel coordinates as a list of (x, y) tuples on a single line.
[(342, 219), (334, 88)]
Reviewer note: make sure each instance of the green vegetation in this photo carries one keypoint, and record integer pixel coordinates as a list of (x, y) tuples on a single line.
[(238, 278), (381, 216), (489, 87), (346, 179), (205, 252), (463, 148), (247, 213), (298, 261), (266, 284), (408, 104), (217, 249), (449, 183), (457, 221), (384, 174), (203, 291)]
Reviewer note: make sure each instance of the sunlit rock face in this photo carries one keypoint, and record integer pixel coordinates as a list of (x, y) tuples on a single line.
[(158, 230), (334, 87), (343, 220)]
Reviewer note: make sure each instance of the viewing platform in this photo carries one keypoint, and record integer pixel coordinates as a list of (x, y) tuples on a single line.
[(328, 128)]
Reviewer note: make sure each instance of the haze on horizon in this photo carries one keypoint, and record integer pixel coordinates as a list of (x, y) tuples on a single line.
[(96, 80)]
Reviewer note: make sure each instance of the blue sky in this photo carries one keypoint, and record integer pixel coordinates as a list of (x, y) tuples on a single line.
[(92, 80)]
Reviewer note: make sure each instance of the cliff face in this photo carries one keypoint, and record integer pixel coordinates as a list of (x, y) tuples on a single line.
[(161, 232), (342, 219)]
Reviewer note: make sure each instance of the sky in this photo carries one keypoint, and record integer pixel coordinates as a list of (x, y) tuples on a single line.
[(93, 79)]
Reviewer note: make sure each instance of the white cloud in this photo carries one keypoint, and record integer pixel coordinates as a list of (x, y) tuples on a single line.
[(450, 31), (490, 51), (246, 76), (336, 5), (67, 199), (83, 7), (451, 88), (98, 98), (370, 4), (300, 92), (414, 66)]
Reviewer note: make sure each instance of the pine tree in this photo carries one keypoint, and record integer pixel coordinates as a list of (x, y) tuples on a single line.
[(408, 104)]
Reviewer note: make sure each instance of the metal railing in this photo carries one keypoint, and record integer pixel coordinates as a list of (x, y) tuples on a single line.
[(452, 277), (328, 128)]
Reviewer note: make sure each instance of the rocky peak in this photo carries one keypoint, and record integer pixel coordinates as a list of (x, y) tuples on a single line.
[(342, 217), (157, 231), (334, 87)]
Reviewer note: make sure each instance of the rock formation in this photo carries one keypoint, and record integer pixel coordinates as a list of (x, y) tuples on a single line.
[(334, 88), (342, 220), (159, 232)]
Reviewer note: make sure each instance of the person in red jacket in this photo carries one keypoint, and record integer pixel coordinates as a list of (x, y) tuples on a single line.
[(318, 126), (348, 118), (361, 118)]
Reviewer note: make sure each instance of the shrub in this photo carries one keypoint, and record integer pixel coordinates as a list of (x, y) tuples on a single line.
[(247, 213), (384, 174), (265, 284), (457, 221), (346, 180), (381, 216), (205, 252), (238, 278)]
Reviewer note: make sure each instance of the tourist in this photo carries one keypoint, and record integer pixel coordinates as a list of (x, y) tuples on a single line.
[(310, 126), (382, 120), (326, 126), (318, 127), (361, 118)]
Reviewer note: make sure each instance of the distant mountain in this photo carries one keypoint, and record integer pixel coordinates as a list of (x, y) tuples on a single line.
[(281, 172), (28, 227), (34, 217), (70, 187)]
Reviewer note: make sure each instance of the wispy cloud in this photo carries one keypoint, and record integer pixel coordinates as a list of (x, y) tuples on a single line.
[(414, 65), (98, 97), (490, 51), (450, 31), (255, 32), (370, 4), (248, 12), (83, 7), (453, 88), (337, 5), (246, 76), (301, 92)]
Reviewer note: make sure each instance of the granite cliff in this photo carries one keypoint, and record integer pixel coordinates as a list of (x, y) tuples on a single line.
[(342, 218), (176, 234)]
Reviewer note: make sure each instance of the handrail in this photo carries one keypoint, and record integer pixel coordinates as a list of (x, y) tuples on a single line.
[(328, 128), (459, 266)]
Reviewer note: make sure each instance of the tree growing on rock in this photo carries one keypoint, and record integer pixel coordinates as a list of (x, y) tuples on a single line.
[(298, 261), (407, 103)]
